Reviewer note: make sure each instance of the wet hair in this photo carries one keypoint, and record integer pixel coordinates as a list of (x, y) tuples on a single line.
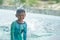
[(20, 11)]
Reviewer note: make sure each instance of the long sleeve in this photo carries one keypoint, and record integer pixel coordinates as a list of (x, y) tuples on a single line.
[(12, 31), (25, 33)]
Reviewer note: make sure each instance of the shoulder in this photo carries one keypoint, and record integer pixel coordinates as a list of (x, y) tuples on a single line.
[(13, 23), (25, 23)]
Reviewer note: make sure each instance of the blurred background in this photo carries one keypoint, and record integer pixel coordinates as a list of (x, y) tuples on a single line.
[(42, 17), (33, 5)]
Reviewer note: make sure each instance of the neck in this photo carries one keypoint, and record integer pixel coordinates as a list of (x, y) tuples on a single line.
[(20, 21)]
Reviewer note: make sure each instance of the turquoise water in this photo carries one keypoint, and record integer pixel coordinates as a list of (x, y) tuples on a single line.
[(40, 27)]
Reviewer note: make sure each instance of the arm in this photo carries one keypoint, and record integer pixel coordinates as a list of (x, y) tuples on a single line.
[(12, 31), (25, 33)]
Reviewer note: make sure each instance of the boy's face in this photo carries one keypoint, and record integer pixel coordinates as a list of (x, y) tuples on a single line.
[(21, 16)]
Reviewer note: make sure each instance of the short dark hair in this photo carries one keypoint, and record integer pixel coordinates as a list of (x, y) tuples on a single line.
[(20, 11)]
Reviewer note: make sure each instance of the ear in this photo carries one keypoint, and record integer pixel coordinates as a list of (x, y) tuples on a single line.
[(16, 15), (25, 14)]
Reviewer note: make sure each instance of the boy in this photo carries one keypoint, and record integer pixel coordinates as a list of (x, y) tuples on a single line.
[(19, 26)]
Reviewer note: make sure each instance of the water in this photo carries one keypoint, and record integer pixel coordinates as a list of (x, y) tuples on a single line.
[(40, 27)]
